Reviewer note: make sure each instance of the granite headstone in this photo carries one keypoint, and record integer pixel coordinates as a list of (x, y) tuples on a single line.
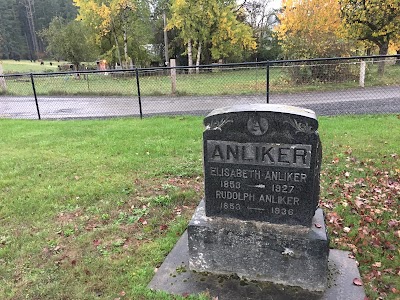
[(261, 166), (262, 162)]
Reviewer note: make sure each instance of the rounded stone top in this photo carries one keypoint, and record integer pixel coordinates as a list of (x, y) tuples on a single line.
[(258, 107)]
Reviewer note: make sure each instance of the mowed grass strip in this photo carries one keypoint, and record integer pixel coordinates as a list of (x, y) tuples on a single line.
[(89, 209), (26, 66)]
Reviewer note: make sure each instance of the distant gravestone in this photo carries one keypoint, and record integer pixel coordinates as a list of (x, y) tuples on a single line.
[(261, 166), (3, 85)]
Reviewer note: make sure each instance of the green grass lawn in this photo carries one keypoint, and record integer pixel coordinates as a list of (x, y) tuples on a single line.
[(26, 66), (89, 209), (213, 82)]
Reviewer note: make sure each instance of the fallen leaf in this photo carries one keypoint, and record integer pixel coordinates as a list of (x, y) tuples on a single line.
[(346, 229), (390, 246), (143, 221), (317, 225), (358, 203), (357, 282), (378, 264), (96, 243), (368, 219), (122, 293), (163, 227)]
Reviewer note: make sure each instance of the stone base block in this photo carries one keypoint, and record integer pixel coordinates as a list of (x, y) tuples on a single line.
[(174, 277), (288, 255)]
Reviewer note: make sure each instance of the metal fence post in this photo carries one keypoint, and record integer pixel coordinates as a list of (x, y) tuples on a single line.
[(267, 83), (138, 92), (34, 94)]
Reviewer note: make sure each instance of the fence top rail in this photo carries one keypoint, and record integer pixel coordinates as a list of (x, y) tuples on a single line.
[(334, 59), (259, 63)]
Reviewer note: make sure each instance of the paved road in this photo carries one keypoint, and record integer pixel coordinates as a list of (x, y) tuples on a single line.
[(352, 101)]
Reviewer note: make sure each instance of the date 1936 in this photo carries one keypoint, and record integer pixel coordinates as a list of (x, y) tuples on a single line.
[(281, 211)]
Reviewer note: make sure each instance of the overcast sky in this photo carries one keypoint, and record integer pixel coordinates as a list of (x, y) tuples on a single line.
[(272, 3), (276, 3)]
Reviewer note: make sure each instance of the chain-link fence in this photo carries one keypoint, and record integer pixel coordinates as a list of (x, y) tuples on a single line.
[(356, 85)]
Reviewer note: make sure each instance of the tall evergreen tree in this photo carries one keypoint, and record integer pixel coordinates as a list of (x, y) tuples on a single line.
[(13, 44), (21, 20)]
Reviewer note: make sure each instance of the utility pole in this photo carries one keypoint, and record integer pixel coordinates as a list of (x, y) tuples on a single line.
[(165, 40)]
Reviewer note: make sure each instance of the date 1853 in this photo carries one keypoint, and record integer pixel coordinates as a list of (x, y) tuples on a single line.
[(230, 206)]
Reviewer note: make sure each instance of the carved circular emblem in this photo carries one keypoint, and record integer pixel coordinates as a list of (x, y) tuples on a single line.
[(257, 125)]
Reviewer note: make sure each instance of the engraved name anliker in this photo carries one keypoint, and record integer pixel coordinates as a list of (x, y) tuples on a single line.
[(262, 154)]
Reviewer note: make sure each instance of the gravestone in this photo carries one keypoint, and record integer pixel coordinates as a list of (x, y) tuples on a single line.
[(3, 85), (258, 233), (259, 219), (262, 163)]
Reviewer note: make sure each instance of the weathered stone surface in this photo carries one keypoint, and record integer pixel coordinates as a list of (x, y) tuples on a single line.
[(289, 255), (262, 162), (174, 277)]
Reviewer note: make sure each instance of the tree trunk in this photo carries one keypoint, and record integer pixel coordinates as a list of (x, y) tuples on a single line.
[(116, 43), (383, 49), (166, 54), (190, 56), (398, 57), (198, 58), (126, 48)]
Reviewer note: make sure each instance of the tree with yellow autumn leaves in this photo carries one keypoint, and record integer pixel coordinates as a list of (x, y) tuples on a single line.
[(373, 21), (221, 29), (213, 25), (118, 24), (312, 28)]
